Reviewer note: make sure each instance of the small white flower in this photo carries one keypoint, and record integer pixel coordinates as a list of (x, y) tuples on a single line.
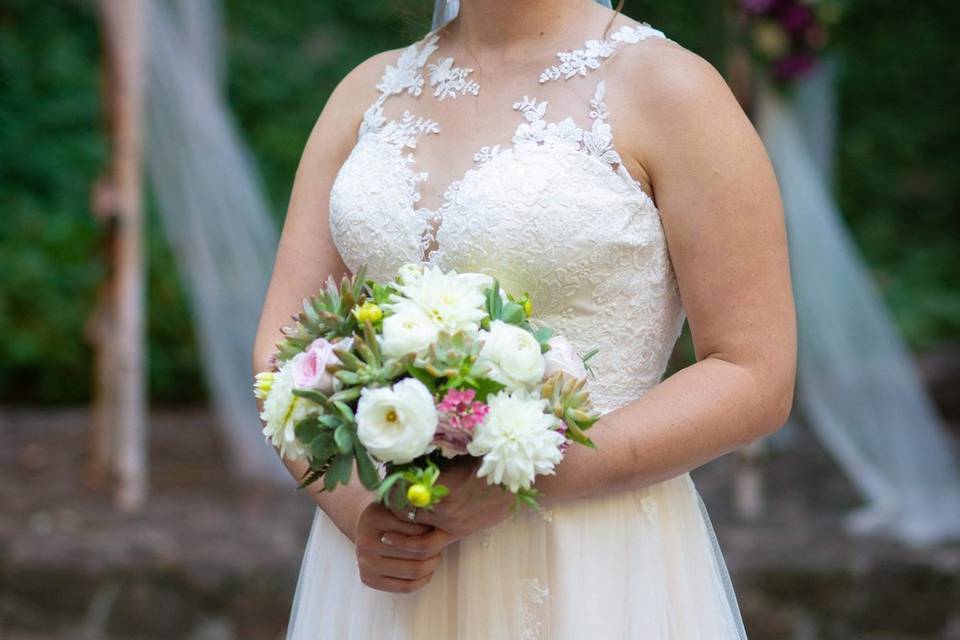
[(405, 333), (282, 411), (261, 384), (409, 273), (563, 357), (518, 440), (397, 424), (451, 300), (512, 355)]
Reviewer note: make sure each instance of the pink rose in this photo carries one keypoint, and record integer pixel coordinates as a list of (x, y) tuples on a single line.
[(563, 357), (309, 367)]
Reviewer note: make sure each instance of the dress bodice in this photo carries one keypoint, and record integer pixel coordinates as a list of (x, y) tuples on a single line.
[(553, 212)]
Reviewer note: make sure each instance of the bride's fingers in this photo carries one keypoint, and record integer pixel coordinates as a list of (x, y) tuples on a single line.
[(395, 585), (427, 516), (420, 547), (433, 517), (400, 568), (385, 520)]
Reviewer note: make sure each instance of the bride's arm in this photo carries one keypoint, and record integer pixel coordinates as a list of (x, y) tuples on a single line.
[(306, 255), (723, 219)]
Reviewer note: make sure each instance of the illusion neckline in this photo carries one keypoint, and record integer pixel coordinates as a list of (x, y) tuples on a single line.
[(572, 61), (446, 80)]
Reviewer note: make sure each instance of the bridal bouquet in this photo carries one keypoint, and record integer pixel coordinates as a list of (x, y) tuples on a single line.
[(418, 370)]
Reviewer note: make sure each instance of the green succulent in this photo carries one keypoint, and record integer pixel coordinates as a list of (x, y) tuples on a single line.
[(453, 357), (325, 315), (569, 401), (365, 364)]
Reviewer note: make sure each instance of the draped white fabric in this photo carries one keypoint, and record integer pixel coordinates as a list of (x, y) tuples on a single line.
[(214, 214), (858, 386)]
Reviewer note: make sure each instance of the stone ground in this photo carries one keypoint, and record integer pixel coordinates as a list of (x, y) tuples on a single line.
[(212, 560)]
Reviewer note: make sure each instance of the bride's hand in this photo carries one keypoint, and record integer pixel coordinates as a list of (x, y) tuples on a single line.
[(471, 505), (397, 556)]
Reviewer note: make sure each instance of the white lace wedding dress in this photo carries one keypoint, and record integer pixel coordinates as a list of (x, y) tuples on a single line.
[(544, 203)]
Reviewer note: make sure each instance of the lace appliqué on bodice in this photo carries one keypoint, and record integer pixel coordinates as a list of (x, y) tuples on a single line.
[(451, 81), (553, 213)]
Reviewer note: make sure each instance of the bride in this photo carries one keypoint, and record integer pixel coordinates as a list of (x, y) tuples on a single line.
[(587, 159)]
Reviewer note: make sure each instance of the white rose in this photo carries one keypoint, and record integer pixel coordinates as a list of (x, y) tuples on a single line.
[(451, 301), (282, 411), (397, 424), (563, 357), (512, 355), (518, 440), (405, 333)]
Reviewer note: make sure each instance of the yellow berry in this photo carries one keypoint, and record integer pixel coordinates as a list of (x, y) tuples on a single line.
[(418, 495), (368, 311)]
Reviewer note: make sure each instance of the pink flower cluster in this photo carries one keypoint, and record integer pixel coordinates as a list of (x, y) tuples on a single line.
[(801, 27), (459, 416)]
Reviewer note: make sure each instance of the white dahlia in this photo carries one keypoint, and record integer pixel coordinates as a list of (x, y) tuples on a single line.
[(396, 424), (518, 440), (452, 301), (281, 412)]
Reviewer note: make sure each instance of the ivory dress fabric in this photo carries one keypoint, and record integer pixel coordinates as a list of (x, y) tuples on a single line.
[(548, 208)]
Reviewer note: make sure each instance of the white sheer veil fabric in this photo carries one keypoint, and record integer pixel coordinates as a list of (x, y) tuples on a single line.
[(214, 214), (858, 387), (446, 10)]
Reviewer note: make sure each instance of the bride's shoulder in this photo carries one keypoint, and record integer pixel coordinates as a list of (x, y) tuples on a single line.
[(667, 82), (358, 88), (340, 118), (662, 69), (364, 83), (669, 103)]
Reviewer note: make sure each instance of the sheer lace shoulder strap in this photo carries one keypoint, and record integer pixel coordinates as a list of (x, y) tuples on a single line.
[(598, 140), (405, 75), (578, 61)]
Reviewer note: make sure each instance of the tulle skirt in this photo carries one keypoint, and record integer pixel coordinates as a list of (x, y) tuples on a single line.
[(641, 564)]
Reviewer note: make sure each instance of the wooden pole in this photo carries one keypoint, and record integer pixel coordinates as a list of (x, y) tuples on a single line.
[(99, 331), (119, 433)]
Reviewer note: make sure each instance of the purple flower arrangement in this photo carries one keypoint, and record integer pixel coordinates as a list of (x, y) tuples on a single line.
[(788, 36)]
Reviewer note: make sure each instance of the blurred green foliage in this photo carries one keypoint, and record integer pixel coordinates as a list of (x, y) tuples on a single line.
[(899, 165), (900, 183)]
